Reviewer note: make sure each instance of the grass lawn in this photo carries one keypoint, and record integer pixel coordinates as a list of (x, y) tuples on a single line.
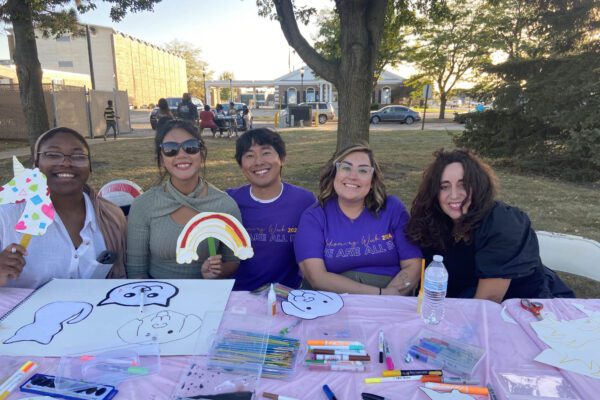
[(12, 144), (552, 205)]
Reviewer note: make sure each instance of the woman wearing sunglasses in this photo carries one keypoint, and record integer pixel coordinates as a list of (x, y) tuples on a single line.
[(158, 216), (354, 241), (87, 237)]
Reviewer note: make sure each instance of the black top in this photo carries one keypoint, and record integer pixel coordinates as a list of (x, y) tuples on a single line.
[(503, 246)]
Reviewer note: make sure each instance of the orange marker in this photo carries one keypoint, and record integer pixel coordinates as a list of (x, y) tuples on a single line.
[(445, 387)]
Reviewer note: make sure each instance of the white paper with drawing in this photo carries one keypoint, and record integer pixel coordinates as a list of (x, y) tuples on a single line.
[(93, 313), (574, 344)]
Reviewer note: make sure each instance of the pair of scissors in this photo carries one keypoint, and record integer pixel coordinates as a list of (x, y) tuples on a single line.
[(533, 307)]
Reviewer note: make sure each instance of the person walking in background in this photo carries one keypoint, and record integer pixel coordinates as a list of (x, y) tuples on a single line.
[(111, 119), (164, 113), (187, 110)]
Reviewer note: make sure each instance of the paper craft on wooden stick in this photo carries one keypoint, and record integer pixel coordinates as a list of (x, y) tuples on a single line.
[(220, 226), (29, 186)]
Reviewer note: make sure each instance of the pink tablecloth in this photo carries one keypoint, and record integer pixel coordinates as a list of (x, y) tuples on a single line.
[(508, 346)]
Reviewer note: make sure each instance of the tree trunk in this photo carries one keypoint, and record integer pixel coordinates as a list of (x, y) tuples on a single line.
[(443, 100), (361, 30), (29, 70)]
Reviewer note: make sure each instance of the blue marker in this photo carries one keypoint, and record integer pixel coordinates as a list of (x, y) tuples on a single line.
[(329, 393)]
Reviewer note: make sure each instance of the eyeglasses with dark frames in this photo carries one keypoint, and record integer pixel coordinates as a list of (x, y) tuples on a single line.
[(190, 146), (57, 158)]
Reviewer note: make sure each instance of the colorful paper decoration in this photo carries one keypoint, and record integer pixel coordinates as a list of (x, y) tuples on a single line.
[(223, 227), (29, 186)]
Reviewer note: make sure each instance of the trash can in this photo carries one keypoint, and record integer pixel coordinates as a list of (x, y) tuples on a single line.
[(300, 113)]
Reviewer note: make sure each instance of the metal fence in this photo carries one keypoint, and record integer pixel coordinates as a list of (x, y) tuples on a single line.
[(71, 106)]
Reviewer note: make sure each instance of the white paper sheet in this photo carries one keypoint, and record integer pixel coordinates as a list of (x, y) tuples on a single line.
[(574, 344), (89, 314)]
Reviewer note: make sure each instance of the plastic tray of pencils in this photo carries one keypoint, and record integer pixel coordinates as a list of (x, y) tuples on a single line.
[(441, 351), (335, 344)]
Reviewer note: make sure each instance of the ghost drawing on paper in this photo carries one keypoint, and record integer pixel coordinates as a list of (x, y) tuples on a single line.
[(49, 320), (162, 327), (453, 395), (311, 304), (574, 344), (155, 292)]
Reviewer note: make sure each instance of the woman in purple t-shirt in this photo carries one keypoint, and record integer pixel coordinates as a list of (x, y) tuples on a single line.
[(354, 241)]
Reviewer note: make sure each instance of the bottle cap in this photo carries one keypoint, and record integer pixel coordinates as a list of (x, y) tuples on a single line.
[(438, 258)]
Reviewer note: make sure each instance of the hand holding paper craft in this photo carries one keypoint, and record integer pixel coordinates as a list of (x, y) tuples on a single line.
[(29, 185), (221, 226)]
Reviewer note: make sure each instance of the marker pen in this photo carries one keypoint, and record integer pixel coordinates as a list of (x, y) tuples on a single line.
[(381, 341), (408, 372), (370, 396), (345, 352), (341, 357), (332, 343), (349, 347), (380, 379), (444, 387), (388, 356), (492, 393), (329, 393), (274, 396)]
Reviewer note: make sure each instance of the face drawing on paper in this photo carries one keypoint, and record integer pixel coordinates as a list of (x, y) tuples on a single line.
[(49, 320), (574, 344), (453, 395), (155, 292), (163, 327), (311, 304)]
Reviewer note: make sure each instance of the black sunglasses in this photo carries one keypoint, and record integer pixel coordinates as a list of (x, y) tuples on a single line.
[(190, 146)]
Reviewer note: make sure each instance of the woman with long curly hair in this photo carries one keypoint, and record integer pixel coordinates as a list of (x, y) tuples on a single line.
[(490, 248), (354, 241)]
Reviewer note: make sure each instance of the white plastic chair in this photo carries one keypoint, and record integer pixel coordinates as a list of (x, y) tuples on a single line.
[(568, 253)]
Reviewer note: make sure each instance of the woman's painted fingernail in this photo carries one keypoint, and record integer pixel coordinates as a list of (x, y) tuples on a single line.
[(13, 250)]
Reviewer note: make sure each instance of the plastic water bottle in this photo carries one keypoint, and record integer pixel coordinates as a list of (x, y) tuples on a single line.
[(434, 288)]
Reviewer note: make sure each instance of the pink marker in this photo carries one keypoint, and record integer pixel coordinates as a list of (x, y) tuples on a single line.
[(388, 356)]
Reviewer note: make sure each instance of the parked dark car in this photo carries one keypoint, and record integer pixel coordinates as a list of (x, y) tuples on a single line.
[(401, 114), (173, 103), (326, 111)]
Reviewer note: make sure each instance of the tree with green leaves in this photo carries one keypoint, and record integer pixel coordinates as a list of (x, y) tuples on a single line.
[(52, 17), (197, 69), (225, 93), (451, 46), (392, 50), (546, 93), (361, 27)]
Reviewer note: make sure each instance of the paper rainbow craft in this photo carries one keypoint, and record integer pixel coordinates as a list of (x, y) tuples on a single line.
[(223, 227), (29, 186)]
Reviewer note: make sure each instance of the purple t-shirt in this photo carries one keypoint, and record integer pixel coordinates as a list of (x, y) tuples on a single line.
[(272, 228), (368, 244)]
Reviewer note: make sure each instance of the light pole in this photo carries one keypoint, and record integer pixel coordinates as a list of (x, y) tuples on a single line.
[(204, 84), (301, 84)]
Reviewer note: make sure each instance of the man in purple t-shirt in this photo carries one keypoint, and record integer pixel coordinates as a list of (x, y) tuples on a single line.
[(270, 210)]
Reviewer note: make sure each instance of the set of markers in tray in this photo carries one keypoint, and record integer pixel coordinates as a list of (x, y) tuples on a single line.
[(454, 356), (336, 355)]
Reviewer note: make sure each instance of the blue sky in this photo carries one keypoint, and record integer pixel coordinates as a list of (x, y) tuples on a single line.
[(230, 34)]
